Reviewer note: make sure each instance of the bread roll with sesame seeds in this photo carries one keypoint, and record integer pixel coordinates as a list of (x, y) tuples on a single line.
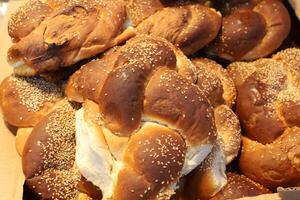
[(268, 107), (24, 101), (251, 29), (53, 34)]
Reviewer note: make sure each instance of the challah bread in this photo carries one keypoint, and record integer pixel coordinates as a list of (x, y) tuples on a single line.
[(116, 116), (49, 154), (152, 126), (24, 101), (268, 108), (251, 30), (52, 34)]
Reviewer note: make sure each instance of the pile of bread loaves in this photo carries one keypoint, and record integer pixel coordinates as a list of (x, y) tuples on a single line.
[(113, 101)]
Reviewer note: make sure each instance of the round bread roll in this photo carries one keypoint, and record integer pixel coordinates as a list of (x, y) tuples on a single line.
[(239, 186), (24, 101), (150, 127), (54, 33), (268, 107), (251, 29), (49, 154)]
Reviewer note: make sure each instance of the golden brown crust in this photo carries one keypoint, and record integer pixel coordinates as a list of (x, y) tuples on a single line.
[(190, 27), (252, 31), (49, 155), (24, 101), (239, 186), (276, 164), (72, 31), (138, 10), (155, 155), (188, 109), (121, 98), (268, 108), (215, 82), (149, 93), (229, 131)]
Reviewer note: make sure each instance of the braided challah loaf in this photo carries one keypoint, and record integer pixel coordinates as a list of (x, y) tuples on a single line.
[(54, 33), (251, 29), (153, 125), (148, 123), (268, 107)]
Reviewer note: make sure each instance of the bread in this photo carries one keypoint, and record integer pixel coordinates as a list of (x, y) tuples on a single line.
[(251, 30), (24, 101), (151, 125), (190, 27), (49, 154), (54, 33), (268, 108), (239, 186), (163, 106)]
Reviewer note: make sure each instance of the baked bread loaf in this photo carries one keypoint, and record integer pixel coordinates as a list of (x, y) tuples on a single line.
[(160, 107), (150, 125), (54, 33), (251, 29), (268, 108), (49, 154), (25, 100)]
